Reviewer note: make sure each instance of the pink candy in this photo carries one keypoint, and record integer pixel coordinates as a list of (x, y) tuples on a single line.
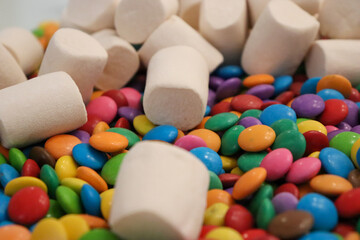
[(303, 170), (133, 97), (103, 107), (189, 142), (277, 163)]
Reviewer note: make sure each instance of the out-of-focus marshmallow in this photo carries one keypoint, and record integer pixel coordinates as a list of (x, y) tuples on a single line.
[(177, 82), (335, 57), (40, 108), (151, 202), (280, 39), (77, 54), (136, 20), (24, 47), (175, 31), (190, 11), (224, 25)]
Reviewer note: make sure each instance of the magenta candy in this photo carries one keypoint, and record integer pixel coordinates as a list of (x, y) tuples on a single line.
[(228, 88), (249, 121), (262, 91), (303, 170), (330, 128), (103, 107), (189, 142), (133, 97), (277, 163), (284, 201)]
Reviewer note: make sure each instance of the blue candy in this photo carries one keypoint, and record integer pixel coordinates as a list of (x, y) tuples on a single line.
[(309, 86), (4, 203), (319, 235), (282, 83), (6, 222), (207, 111), (229, 71), (276, 112), (91, 200), (210, 158), (85, 155), (7, 173), (335, 162), (327, 94), (322, 209), (166, 133)]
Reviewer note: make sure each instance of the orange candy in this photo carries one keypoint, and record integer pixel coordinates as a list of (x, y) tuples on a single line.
[(92, 177), (257, 79), (256, 138), (94, 222), (211, 139), (248, 183), (329, 184), (337, 82), (352, 236), (108, 141), (14, 232), (217, 195), (96, 94), (4, 151), (180, 134), (61, 145), (203, 121), (100, 127), (305, 189)]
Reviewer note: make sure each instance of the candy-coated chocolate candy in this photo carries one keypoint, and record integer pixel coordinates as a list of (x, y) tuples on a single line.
[(319, 235), (130, 136), (129, 113), (337, 82), (239, 218), (49, 228), (218, 195), (344, 141), (108, 141), (92, 177), (277, 163), (347, 204), (303, 170), (265, 191), (68, 200), (282, 83), (209, 157), (262, 91), (75, 226), (250, 160), (310, 85), (328, 184), (256, 138), (215, 214), (94, 222), (221, 122), (251, 113), (335, 162), (92, 121), (215, 82), (215, 182), (190, 142), (292, 140), (286, 98), (50, 178), (16, 158), (353, 152), (7, 173), (74, 184), (283, 125), (327, 94), (315, 141), (311, 125), (308, 105), (106, 202), (132, 96), (249, 121), (224, 233), (249, 183), (257, 79), (2, 159), (229, 141), (228, 88), (166, 133), (4, 203), (41, 156), (288, 187), (354, 178), (343, 229), (61, 145), (211, 139), (99, 233), (111, 168), (228, 163), (82, 135), (276, 112), (244, 102), (30, 169), (221, 107), (103, 107), (22, 182), (85, 155), (284, 201), (254, 233), (352, 118), (265, 214), (100, 127), (90, 199), (18, 232), (142, 124), (122, 123), (55, 210), (65, 167), (117, 96), (228, 179), (205, 229), (335, 111), (229, 71)]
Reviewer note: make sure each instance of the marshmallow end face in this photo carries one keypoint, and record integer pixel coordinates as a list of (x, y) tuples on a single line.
[(316, 62)]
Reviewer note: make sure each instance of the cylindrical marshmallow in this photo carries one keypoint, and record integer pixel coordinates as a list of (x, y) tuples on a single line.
[(340, 19), (90, 15), (280, 39), (175, 31), (136, 20), (10, 71), (190, 11), (151, 202), (24, 47), (176, 89), (335, 57), (123, 61), (40, 108), (77, 54), (224, 25)]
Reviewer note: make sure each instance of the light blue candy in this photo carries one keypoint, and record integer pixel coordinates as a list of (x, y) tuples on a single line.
[(85, 155), (4, 203), (276, 112), (229, 71), (335, 162), (166, 133), (6, 222), (91, 200), (322, 209), (309, 85), (210, 158), (319, 235), (282, 83), (32, 227), (207, 111), (328, 93), (7, 173)]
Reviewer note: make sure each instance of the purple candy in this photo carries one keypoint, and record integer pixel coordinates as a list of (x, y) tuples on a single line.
[(215, 82), (211, 98), (352, 118), (284, 201), (356, 129), (82, 135), (249, 121), (344, 126), (229, 190), (332, 134), (308, 105), (263, 91), (228, 88), (129, 113)]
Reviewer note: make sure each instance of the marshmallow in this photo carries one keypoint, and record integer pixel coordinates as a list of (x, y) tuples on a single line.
[(10, 71), (24, 47), (40, 108), (136, 20), (224, 25), (77, 54), (280, 39), (123, 61), (151, 202), (175, 31), (176, 89), (335, 57), (89, 15), (190, 11), (340, 19)]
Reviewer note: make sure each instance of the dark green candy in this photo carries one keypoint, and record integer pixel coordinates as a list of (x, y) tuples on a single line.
[(99, 234), (55, 210), (250, 160), (221, 121), (292, 140), (229, 141), (215, 182), (16, 158), (111, 168), (265, 214), (283, 125), (131, 136), (265, 191), (68, 200), (50, 178), (2, 159), (251, 113)]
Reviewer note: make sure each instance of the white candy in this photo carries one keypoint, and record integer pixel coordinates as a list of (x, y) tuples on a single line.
[(24, 47), (175, 31), (160, 193), (335, 57), (176, 88), (190, 11), (136, 20), (224, 25), (123, 61), (280, 39), (40, 108), (340, 19), (77, 54), (10, 71)]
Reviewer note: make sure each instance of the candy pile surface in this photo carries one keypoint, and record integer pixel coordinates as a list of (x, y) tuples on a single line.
[(171, 119)]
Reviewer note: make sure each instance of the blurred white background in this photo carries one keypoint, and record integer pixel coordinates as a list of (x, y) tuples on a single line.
[(29, 13)]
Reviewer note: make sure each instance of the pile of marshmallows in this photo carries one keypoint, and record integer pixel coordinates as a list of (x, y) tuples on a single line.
[(180, 43)]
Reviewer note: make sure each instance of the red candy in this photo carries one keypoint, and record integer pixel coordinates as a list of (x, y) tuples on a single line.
[(254, 234), (122, 123), (228, 180), (268, 103), (220, 108), (335, 111), (205, 229), (92, 121), (244, 102), (348, 203), (288, 187), (285, 97), (343, 229), (117, 96), (296, 88), (30, 168), (239, 218), (315, 141)]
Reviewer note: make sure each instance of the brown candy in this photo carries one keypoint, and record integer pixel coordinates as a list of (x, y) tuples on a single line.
[(354, 178), (41, 156), (291, 224)]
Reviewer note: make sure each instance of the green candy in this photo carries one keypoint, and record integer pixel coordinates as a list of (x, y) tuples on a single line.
[(55, 210), (265, 214), (38, 32), (221, 121), (111, 168), (68, 200), (131, 136), (229, 141), (344, 141), (251, 113), (250, 160), (265, 191), (299, 120), (283, 125), (292, 140), (2, 159), (16, 158), (50, 178), (215, 182), (358, 226), (99, 233)]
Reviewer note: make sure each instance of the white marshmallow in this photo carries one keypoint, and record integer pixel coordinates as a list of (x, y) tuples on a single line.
[(24, 47), (279, 40), (335, 57), (151, 202), (340, 19), (136, 20), (89, 15), (77, 54), (40, 108), (123, 61), (175, 31), (224, 25), (190, 11), (10, 71), (177, 82)]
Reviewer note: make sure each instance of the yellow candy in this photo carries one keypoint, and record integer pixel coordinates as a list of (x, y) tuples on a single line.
[(237, 171), (142, 124), (75, 226), (65, 167), (106, 201), (228, 163), (256, 138), (215, 214), (73, 183), (309, 125), (354, 149), (49, 228), (223, 233), (22, 182), (314, 154)]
